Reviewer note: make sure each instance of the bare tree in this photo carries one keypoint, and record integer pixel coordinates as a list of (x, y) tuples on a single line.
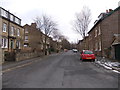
[(47, 26), (65, 43), (57, 35), (82, 21)]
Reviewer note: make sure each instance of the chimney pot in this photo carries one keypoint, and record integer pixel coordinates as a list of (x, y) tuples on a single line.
[(110, 10), (106, 11), (33, 25)]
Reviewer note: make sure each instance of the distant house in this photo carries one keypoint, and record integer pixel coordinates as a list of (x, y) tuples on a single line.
[(46, 43), (80, 45), (83, 44), (32, 38), (11, 32), (104, 37)]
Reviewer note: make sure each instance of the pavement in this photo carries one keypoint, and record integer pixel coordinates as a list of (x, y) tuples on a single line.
[(108, 64)]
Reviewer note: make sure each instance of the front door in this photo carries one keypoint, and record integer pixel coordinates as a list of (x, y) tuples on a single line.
[(117, 52), (11, 44)]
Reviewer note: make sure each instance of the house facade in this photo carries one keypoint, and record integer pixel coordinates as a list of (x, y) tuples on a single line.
[(1, 58), (79, 45), (35, 40), (83, 44), (105, 34), (32, 38), (22, 42), (12, 33)]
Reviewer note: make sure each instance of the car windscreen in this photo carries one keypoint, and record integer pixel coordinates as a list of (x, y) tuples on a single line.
[(88, 52)]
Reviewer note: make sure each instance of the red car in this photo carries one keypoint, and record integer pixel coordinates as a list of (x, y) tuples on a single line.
[(87, 55)]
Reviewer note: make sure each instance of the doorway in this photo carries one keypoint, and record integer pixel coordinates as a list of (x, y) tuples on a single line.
[(117, 51)]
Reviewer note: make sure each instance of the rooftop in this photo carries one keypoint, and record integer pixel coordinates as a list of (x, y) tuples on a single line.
[(105, 15), (9, 16)]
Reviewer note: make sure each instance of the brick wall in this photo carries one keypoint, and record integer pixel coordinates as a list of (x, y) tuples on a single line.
[(119, 21), (109, 27), (34, 37), (1, 59)]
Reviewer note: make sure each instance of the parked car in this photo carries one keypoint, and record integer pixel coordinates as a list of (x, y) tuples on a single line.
[(87, 55), (75, 50), (65, 50)]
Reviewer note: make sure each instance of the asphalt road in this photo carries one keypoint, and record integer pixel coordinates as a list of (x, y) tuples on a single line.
[(63, 70)]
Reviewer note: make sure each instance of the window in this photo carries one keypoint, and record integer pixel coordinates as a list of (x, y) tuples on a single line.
[(88, 52), (99, 45), (99, 31), (96, 33), (18, 44), (4, 13), (26, 44), (12, 31), (90, 37), (17, 20), (26, 38), (41, 46), (26, 30), (4, 27), (18, 32), (11, 17), (11, 44), (4, 42), (96, 46)]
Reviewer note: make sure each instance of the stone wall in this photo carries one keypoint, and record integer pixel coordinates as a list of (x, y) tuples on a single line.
[(0, 53), (1, 40), (27, 55)]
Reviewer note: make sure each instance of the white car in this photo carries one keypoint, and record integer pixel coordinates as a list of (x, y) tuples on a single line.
[(75, 50)]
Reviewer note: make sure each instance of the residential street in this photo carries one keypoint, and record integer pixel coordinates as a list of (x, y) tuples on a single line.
[(62, 70)]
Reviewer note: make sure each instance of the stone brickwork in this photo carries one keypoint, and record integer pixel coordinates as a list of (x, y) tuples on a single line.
[(27, 55), (104, 35), (109, 27), (11, 33), (34, 35), (1, 59)]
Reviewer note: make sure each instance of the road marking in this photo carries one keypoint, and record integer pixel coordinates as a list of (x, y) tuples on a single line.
[(13, 68)]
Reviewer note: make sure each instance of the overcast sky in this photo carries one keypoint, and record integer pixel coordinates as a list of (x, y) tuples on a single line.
[(62, 11)]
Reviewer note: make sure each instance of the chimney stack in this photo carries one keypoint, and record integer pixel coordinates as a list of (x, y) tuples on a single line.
[(106, 11), (110, 10), (33, 25)]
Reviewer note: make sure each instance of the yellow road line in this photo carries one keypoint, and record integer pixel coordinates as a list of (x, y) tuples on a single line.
[(10, 69)]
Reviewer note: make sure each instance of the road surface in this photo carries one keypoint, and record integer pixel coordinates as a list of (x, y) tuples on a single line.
[(62, 70)]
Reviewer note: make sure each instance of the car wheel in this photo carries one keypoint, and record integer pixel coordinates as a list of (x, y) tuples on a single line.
[(80, 58)]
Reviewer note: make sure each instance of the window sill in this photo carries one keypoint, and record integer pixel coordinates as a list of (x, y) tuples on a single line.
[(4, 31), (4, 47)]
